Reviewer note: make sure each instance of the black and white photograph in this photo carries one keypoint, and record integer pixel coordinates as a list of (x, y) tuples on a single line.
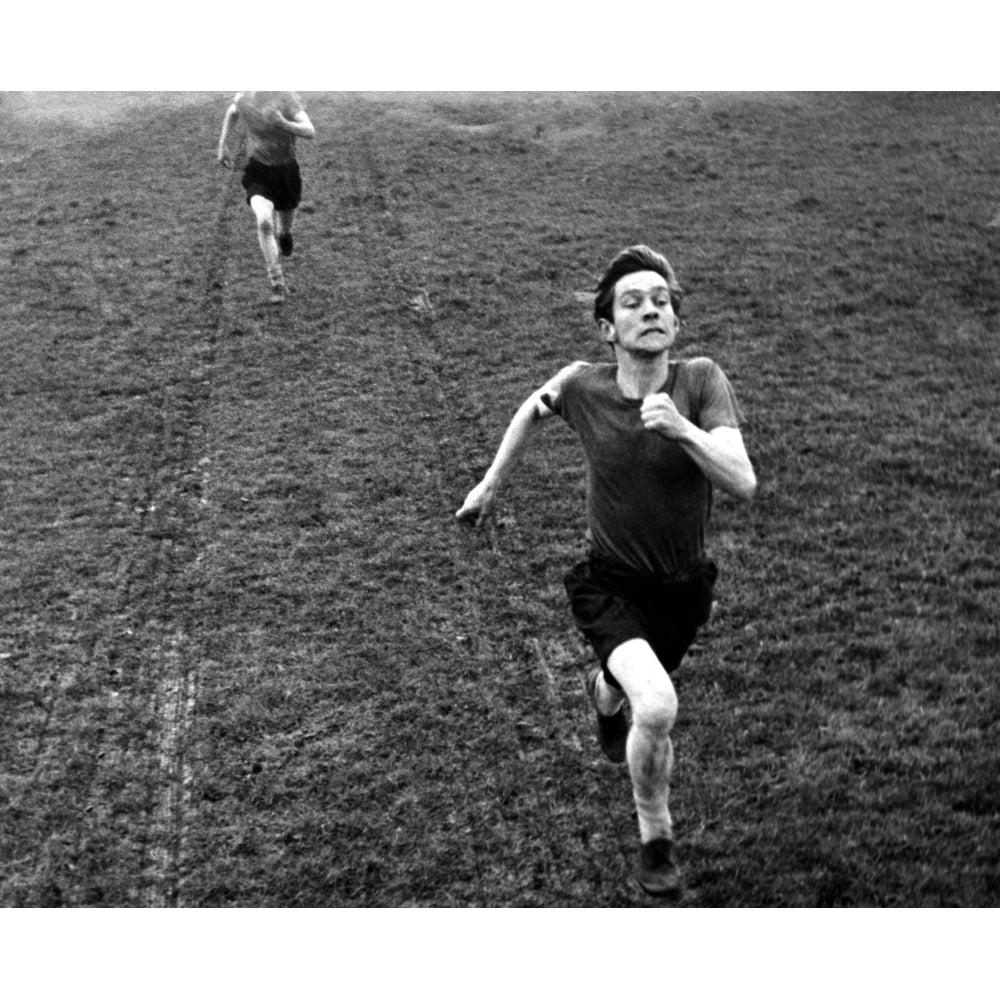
[(499, 498)]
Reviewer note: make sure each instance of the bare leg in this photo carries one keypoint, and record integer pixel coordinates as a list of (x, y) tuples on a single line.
[(649, 751), (263, 211), (609, 699)]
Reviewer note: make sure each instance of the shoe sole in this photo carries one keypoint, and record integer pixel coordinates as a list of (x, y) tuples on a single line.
[(671, 891)]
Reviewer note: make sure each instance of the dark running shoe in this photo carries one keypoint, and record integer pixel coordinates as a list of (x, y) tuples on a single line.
[(279, 291), (657, 871), (612, 730), (285, 244)]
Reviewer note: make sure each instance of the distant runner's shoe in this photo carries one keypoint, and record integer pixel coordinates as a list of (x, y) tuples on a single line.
[(279, 292), (657, 871), (612, 730), (285, 244)]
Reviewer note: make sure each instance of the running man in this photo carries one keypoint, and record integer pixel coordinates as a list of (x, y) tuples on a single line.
[(657, 436), (273, 121)]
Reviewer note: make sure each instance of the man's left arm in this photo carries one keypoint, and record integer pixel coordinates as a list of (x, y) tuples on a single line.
[(299, 125), (719, 452)]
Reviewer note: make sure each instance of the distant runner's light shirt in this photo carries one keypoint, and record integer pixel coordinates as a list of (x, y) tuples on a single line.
[(266, 142), (648, 503)]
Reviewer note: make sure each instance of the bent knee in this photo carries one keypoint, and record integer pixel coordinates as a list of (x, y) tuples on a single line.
[(647, 685), (263, 210), (656, 712), (265, 225)]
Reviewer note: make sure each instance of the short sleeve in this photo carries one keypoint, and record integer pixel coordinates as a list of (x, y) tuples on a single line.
[(553, 393), (717, 403)]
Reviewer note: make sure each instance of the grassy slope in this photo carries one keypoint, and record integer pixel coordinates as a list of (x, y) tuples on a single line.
[(249, 659)]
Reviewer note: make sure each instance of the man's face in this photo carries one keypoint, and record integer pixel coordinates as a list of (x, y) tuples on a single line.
[(644, 320)]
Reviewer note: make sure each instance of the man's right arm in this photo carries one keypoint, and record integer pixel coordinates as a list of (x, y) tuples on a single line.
[(520, 432), (227, 124)]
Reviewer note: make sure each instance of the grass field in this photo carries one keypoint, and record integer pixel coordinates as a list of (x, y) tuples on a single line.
[(248, 657)]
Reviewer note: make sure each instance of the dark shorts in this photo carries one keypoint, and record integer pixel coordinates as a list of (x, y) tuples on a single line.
[(281, 185), (611, 606)]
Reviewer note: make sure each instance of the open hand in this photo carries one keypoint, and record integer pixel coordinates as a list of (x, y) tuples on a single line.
[(478, 504)]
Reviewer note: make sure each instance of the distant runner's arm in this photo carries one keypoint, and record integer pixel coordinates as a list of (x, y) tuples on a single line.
[(536, 408), (227, 124), (300, 125)]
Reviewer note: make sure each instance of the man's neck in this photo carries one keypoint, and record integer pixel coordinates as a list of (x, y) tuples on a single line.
[(642, 374)]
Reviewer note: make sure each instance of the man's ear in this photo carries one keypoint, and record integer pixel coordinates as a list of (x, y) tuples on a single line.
[(607, 330)]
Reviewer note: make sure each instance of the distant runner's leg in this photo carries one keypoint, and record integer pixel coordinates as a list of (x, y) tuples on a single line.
[(285, 221), (263, 210)]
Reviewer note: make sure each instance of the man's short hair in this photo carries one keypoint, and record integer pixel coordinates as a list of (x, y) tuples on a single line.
[(635, 258)]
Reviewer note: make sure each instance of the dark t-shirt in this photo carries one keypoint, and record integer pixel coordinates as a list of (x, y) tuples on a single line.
[(648, 503)]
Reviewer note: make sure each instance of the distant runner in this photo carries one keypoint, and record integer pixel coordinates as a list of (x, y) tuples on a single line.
[(273, 120), (657, 435)]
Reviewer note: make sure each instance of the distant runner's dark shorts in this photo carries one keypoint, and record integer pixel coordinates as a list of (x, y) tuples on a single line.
[(281, 185), (612, 605)]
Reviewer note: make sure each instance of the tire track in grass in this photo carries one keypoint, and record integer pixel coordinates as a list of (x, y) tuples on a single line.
[(64, 802), (289, 506), (175, 694), (383, 242), (108, 790), (173, 707), (159, 658), (472, 556), (374, 218)]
